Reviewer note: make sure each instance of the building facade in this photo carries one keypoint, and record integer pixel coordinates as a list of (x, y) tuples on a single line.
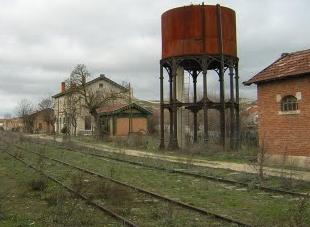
[(124, 119), (84, 121), (13, 124), (284, 108), (43, 121)]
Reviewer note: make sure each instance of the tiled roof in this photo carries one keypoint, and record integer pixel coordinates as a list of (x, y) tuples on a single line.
[(288, 65), (117, 108), (110, 108), (101, 77)]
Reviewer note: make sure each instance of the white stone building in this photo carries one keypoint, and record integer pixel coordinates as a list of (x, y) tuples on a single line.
[(85, 122)]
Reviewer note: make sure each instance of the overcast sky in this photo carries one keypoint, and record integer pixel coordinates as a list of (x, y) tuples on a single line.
[(42, 40)]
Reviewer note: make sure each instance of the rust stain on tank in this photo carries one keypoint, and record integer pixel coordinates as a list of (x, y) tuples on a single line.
[(193, 30)]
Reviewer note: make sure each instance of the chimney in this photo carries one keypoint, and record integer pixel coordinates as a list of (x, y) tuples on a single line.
[(63, 86), (284, 55)]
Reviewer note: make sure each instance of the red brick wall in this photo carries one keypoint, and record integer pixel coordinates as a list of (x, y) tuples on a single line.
[(284, 133)]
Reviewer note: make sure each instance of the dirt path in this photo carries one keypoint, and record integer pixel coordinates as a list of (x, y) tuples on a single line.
[(301, 175)]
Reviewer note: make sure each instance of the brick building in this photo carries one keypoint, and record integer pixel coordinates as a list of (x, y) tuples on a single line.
[(284, 108)]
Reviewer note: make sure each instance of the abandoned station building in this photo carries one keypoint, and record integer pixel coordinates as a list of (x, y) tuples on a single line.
[(118, 118), (284, 108)]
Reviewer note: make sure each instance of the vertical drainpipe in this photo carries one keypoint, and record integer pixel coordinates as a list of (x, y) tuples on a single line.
[(130, 111), (221, 75), (204, 74), (58, 123)]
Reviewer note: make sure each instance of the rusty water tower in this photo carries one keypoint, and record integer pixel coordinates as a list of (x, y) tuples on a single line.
[(196, 39)]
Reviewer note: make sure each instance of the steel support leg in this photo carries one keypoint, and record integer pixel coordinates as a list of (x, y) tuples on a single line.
[(162, 124), (205, 108), (222, 108), (170, 145), (237, 108), (175, 144), (195, 101), (232, 108)]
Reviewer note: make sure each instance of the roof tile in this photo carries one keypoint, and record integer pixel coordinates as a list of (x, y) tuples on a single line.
[(288, 65)]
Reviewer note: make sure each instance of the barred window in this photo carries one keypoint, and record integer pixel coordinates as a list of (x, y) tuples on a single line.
[(289, 103)]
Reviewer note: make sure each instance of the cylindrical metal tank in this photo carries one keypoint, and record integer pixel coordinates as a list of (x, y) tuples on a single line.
[(199, 30)]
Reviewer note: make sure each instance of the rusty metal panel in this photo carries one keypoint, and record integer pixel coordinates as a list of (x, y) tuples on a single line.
[(192, 30)]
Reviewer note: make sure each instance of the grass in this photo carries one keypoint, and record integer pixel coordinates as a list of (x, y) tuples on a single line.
[(213, 152), (284, 182), (22, 206), (136, 206), (248, 205)]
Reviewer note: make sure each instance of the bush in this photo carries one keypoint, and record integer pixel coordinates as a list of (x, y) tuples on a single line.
[(64, 130), (116, 194), (298, 214), (137, 141), (78, 184), (38, 184), (56, 197)]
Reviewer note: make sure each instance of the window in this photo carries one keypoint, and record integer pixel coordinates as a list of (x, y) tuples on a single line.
[(289, 103), (87, 123), (100, 85)]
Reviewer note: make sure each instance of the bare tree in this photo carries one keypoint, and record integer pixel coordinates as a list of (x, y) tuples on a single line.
[(24, 111), (72, 107), (93, 99), (46, 105)]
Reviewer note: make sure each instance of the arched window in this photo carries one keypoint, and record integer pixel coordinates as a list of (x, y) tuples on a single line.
[(289, 103)]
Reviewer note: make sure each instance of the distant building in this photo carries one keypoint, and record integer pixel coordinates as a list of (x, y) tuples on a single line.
[(284, 108), (43, 121), (2, 124), (249, 116), (13, 124)]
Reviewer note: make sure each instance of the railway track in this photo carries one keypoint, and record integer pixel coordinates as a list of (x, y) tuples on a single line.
[(196, 175), (143, 191), (118, 217)]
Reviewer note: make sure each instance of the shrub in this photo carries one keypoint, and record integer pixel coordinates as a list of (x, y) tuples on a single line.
[(299, 215), (116, 194), (56, 197), (78, 184), (64, 130), (38, 184)]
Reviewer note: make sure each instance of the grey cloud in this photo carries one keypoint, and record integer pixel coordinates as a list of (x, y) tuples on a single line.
[(42, 40)]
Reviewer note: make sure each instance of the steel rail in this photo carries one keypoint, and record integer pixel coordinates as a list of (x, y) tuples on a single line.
[(96, 205), (141, 190), (196, 175)]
